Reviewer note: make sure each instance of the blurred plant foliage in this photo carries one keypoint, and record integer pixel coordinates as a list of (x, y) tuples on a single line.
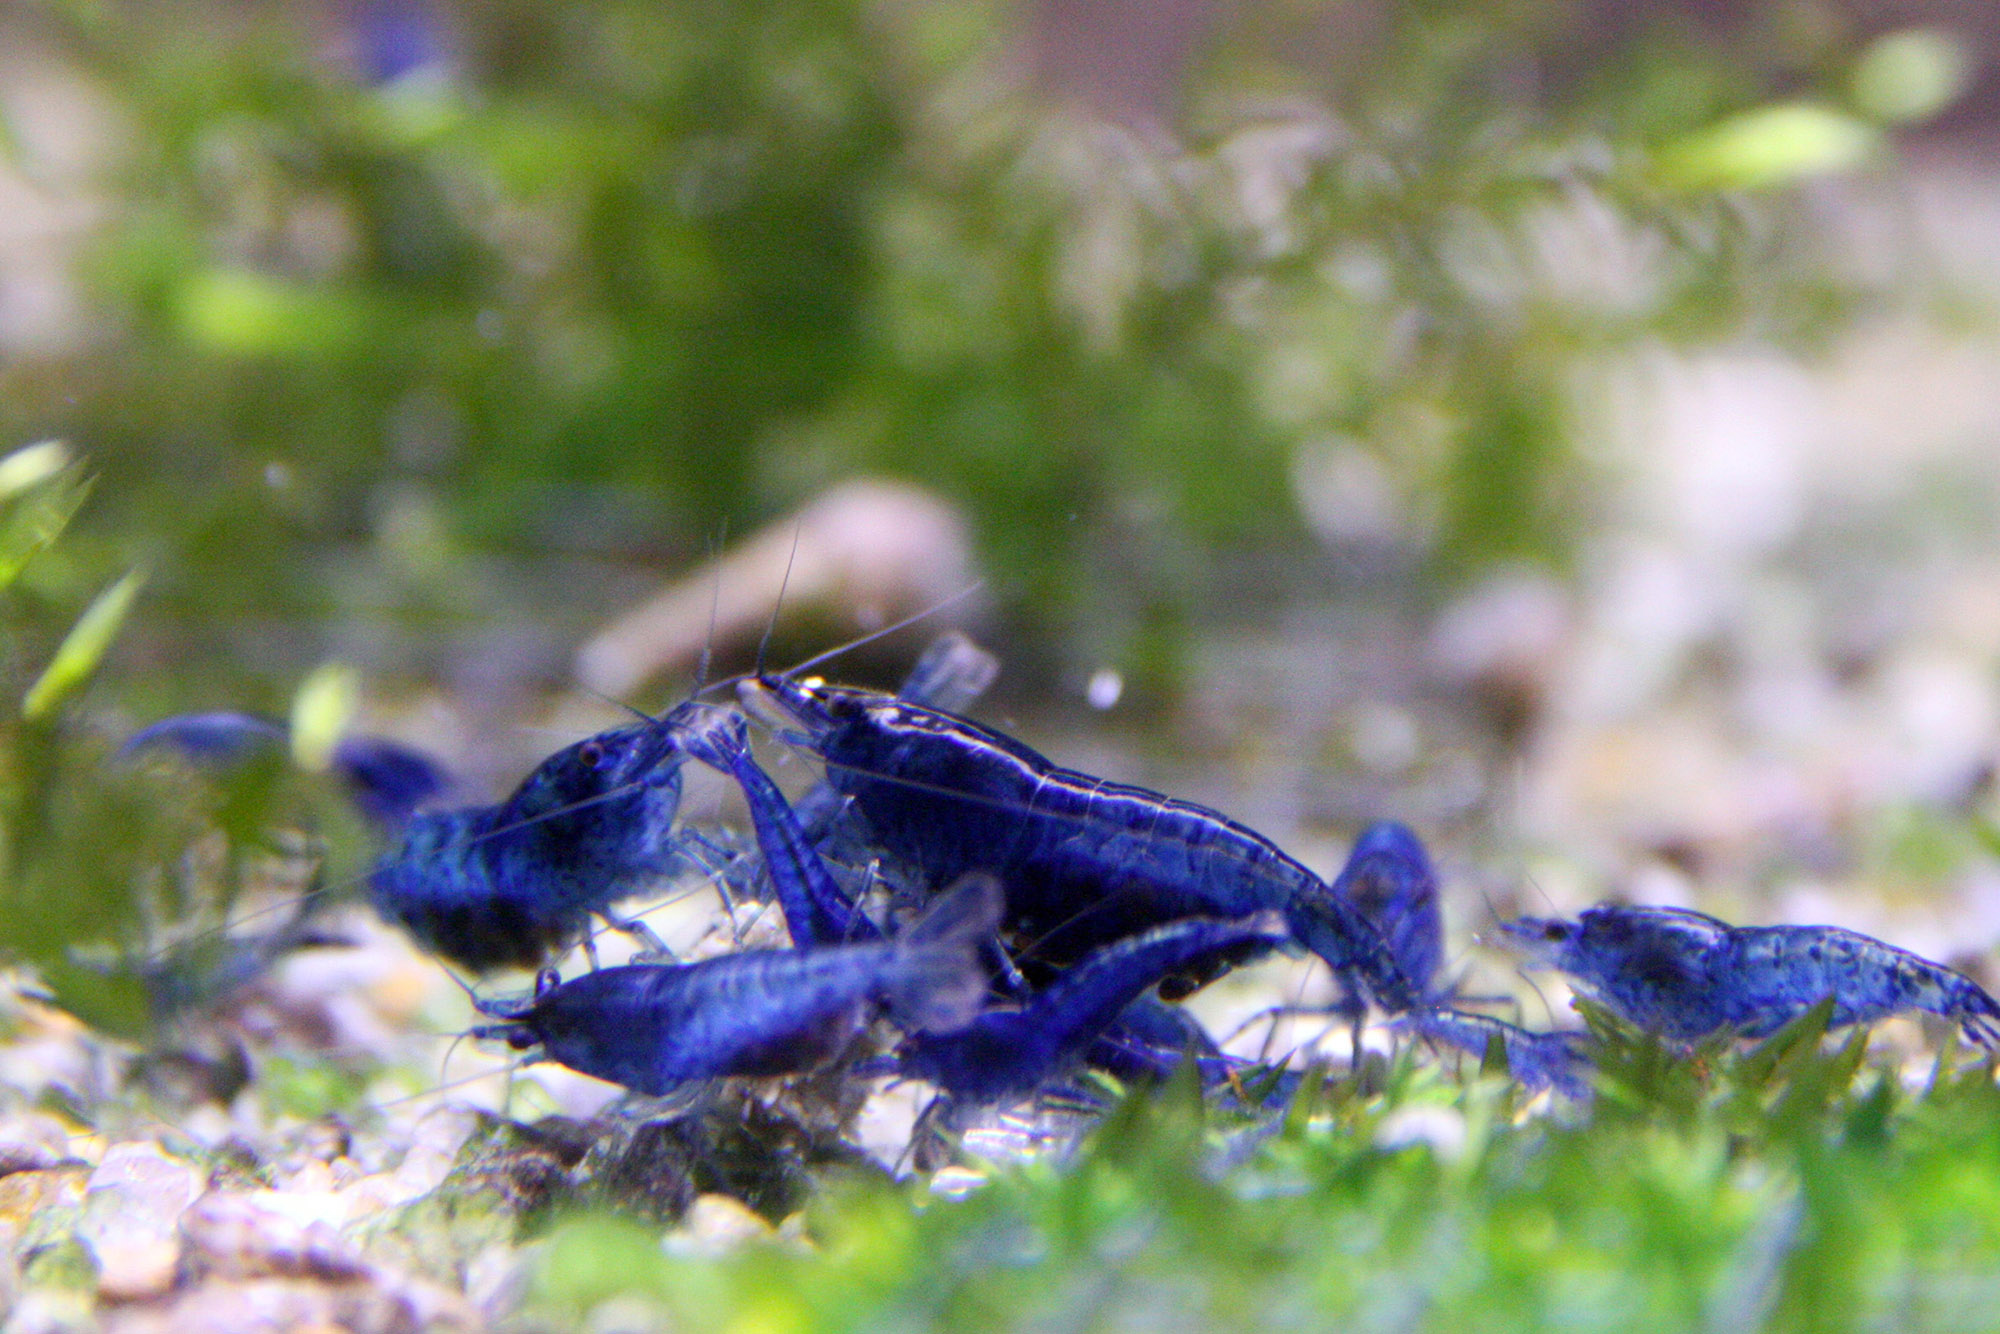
[(420, 286), (74, 839), (102, 864), (1787, 1185)]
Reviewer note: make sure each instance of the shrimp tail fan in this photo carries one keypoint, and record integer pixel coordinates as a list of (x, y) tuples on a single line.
[(937, 982)]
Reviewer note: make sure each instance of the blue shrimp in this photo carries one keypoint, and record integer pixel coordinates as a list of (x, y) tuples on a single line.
[(505, 884), (1085, 861), (816, 912), (487, 886), (798, 840), (1007, 1054), (794, 840), (1148, 1039), (1684, 974), (1390, 879), (387, 780), (655, 1027)]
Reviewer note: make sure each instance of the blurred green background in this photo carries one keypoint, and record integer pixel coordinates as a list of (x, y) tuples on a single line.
[(374, 317)]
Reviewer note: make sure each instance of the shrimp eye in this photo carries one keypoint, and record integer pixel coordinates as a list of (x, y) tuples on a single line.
[(1555, 931), (592, 754)]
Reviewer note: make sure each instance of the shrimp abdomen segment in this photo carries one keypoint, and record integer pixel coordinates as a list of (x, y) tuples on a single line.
[(1783, 969)]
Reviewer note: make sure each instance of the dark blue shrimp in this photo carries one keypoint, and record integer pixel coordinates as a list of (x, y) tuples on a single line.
[(1149, 1040), (793, 840), (1008, 1054), (1085, 862), (1146, 1040), (1685, 974), (797, 840), (487, 886), (1389, 878), (1390, 881), (387, 780), (654, 1027)]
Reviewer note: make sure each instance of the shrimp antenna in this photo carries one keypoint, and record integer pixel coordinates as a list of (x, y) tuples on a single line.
[(850, 645), (510, 1069), (1536, 987), (444, 1063), (1492, 910), (764, 644), (890, 629), (1529, 877), (459, 982), (617, 703), (714, 606)]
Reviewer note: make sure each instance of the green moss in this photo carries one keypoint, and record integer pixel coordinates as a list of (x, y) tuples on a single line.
[(1786, 1185)]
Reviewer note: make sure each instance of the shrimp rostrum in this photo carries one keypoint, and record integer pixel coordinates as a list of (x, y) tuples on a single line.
[(1684, 974)]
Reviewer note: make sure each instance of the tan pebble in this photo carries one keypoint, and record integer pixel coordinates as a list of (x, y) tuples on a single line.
[(141, 1175), (132, 1267), (33, 1142), (269, 1232), (715, 1224), (25, 1194), (36, 1020), (313, 1177), (88, 1148), (400, 994), (434, 1147)]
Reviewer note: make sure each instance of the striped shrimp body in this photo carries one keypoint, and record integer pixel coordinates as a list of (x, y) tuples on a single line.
[(1685, 974), (655, 1027), (950, 674), (1093, 1011), (1085, 862), (796, 841)]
